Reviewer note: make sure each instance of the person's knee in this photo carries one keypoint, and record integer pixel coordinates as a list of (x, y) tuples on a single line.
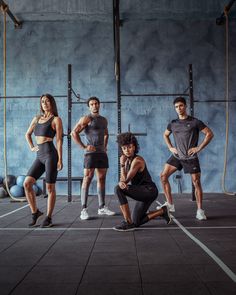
[(51, 188), (120, 195), (86, 180), (164, 178), (117, 189), (28, 184), (196, 182), (101, 179), (136, 221)]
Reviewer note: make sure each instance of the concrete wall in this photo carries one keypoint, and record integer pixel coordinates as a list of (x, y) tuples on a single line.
[(155, 53)]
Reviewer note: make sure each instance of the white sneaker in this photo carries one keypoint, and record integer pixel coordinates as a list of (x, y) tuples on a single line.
[(105, 211), (201, 214), (171, 207), (84, 214)]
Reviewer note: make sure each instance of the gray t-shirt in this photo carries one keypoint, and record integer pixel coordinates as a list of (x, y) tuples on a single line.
[(95, 132), (186, 134)]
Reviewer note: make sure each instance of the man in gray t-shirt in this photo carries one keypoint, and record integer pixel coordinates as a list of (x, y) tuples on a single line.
[(185, 131)]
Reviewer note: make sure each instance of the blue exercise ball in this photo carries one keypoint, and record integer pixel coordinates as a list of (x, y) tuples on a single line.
[(3, 193), (20, 180), (17, 191), (10, 180)]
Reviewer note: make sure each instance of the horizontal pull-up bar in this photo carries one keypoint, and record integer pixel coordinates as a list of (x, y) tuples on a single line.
[(216, 100), (85, 102), (155, 94), (113, 134), (4, 7), (33, 96)]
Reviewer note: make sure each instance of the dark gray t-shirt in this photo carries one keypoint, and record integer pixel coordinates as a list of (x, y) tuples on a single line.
[(95, 132), (186, 134)]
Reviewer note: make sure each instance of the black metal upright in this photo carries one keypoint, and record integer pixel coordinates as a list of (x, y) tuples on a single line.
[(190, 72), (116, 27), (69, 95)]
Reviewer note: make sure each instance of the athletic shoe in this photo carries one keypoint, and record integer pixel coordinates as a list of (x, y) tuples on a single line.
[(171, 207), (166, 214), (35, 217), (84, 214), (105, 211), (124, 226), (201, 214), (47, 222)]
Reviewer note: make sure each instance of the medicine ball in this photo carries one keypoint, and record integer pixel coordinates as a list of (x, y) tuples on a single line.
[(17, 191), (20, 180), (3, 193), (10, 179)]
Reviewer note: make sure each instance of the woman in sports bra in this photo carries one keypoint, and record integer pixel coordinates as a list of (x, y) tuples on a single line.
[(49, 159), (135, 183)]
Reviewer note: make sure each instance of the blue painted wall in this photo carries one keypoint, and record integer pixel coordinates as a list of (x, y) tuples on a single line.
[(156, 49)]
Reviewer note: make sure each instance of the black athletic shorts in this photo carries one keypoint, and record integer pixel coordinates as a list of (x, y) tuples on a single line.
[(96, 160), (190, 166), (46, 161)]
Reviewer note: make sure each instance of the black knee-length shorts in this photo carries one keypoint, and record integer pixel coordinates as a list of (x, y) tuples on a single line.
[(46, 161)]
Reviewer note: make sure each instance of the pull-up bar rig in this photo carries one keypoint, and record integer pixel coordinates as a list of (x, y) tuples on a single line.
[(71, 92), (116, 30), (70, 102)]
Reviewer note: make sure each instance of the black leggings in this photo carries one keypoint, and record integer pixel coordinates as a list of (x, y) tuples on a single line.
[(143, 194), (46, 160)]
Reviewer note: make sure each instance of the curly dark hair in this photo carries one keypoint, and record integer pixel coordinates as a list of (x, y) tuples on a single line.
[(128, 138), (92, 98)]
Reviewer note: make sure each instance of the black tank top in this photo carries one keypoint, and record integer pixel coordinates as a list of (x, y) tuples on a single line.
[(44, 129), (142, 178)]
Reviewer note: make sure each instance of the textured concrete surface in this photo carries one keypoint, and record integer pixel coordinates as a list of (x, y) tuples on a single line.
[(88, 257)]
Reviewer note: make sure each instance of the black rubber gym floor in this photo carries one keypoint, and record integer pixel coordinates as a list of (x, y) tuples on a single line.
[(88, 257)]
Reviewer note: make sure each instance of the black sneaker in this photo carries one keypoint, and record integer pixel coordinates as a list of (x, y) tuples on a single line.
[(166, 214), (47, 222), (35, 217), (124, 226)]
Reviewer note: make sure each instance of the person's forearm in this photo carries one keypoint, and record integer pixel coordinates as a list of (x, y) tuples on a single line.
[(106, 141), (206, 141), (29, 140), (78, 140), (59, 149), (123, 173), (168, 142)]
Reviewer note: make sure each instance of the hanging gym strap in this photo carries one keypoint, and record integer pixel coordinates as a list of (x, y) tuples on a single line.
[(226, 101), (5, 101)]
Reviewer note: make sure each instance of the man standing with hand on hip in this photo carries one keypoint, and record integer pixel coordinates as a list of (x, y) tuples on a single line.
[(95, 158), (185, 131)]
